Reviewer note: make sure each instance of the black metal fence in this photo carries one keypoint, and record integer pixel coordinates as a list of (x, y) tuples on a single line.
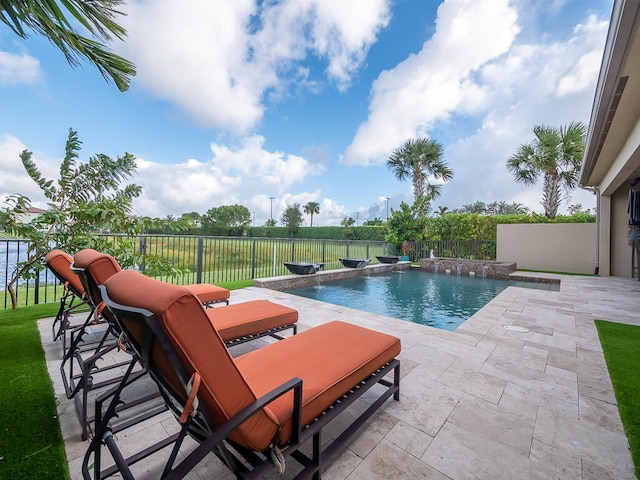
[(198, 259)]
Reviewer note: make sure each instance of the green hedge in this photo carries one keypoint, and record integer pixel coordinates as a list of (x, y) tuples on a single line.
[(323, 233), (452, 226), (465, 226)]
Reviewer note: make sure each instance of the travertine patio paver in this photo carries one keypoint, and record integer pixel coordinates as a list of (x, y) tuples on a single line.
[(480, 402)]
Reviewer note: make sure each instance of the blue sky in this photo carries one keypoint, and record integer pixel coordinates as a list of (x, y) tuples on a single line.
[(236, 102)]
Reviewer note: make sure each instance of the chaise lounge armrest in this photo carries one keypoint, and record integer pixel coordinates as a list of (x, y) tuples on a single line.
[(221, 434)]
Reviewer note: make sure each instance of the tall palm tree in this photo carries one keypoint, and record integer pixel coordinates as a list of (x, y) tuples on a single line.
[(96, 16), (310, 209), (556, 153), (419, 159)]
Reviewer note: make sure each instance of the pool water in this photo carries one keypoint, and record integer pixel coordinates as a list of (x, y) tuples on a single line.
[(439, 300)]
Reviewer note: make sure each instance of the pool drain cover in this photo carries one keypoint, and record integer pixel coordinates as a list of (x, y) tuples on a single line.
[(515, 328)]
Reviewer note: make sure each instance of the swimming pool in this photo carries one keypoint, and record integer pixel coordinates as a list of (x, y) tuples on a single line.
[(439, 300)]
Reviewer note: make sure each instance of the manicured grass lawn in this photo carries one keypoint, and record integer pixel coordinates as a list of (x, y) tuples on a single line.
[(31, 444), (621, 346)]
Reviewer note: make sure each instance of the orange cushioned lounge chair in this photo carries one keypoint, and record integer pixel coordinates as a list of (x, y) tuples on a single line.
[(237, 323), (249, 409), (74, 295)]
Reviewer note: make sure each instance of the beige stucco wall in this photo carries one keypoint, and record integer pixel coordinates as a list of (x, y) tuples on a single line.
[(557, 247), (620, 259)]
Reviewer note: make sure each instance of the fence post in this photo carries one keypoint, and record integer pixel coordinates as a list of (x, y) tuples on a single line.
[(367, 250), (274, 259), (143, 250), (36, 294), (199, 260), (324, 248), (347, 254), (253, 259), (293, 250)]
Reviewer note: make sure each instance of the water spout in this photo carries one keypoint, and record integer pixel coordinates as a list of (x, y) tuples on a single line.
[(431, 255), (484, 271), (459, 268)]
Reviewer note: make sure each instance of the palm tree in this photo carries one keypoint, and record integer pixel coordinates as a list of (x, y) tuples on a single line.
[(442, 211), (419, 159), (96, 16), (310, 209), (556, 153)]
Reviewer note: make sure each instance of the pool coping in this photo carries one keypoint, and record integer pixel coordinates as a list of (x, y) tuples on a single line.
[(287, 282), (499, 270)]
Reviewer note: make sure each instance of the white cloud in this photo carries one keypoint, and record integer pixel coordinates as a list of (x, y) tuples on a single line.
[(14, 178), (511, 88), (233, 175), (533, 84), (438, 81), (18, 69), (219, 69)]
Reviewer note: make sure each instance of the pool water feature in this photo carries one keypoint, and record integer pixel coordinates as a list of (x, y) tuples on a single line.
[(436, 299)]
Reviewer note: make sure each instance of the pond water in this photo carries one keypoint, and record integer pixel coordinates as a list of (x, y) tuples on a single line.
[(11, 252)]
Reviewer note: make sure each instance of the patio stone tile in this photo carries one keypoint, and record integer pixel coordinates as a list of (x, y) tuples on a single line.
[(544, 399), (514, 363), (494, 423), (601, 414), (388, 462), (497, 336), (426, 355), (424, 403), (536, 350), (557, 341), (577, 365), (531, 381), (465, 378), (592, 354), (409, 438), (454, 346), (592, 471), (575, 438), (343, 465), (364, 440), (567, 468), (596, 386), (561, 373), (517, 405), (460, 454)]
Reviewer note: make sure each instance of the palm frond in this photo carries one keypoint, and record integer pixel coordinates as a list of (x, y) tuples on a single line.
[(45, 17)]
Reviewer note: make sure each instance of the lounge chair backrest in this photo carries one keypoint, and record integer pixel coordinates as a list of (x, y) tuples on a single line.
[(196, 344), (59, 262), (94, 268)]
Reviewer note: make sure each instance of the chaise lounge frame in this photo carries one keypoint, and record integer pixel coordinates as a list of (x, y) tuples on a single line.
[(79, 384), (146, 334), (74, 297)]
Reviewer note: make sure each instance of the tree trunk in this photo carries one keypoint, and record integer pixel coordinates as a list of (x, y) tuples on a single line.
[(551, 194)]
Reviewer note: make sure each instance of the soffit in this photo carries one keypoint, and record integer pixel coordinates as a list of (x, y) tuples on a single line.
[(613, 122)]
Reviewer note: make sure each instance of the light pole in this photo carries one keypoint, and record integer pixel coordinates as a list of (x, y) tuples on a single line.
[(271, 198), (387, 199)]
